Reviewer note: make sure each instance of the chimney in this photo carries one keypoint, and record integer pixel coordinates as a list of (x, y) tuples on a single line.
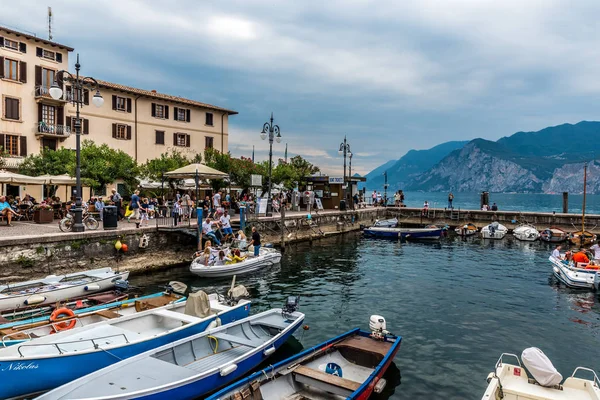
[(153, 91)]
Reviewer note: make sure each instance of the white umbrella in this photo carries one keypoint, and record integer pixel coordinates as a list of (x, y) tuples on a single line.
[(18, 179), (63, 179), (200, 170)]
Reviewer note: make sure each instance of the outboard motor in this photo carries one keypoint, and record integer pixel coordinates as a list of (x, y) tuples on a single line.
[(540, 367), (378, 327), (291, 305), (122, 285)]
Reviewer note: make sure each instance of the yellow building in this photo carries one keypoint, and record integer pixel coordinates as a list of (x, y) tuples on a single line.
[(142, 123)]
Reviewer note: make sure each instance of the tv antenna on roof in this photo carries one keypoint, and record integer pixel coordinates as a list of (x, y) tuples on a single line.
[(49, 23)]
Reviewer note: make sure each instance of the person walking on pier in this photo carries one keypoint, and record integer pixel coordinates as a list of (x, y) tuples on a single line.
[(450, 199), (255, 241), (135, 205)]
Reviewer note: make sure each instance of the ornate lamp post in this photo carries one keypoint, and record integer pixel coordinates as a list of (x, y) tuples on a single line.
[(344, 150), (273, 132), (56, 93)]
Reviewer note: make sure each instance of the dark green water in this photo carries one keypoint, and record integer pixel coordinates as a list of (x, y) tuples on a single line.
[(457, 304)]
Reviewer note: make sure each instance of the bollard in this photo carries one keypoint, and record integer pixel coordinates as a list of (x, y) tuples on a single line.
[(243, 218), (283, 228), (565, 202)]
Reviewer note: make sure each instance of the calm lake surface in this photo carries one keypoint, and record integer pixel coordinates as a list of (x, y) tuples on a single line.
[(458, 304), (505, 201)]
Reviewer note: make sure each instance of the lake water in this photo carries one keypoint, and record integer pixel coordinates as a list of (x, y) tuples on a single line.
[(505, 201), (458, 304)]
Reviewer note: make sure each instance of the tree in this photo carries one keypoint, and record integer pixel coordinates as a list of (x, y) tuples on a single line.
[(155, 168), (291, 173), (102, 165), (52, 162)]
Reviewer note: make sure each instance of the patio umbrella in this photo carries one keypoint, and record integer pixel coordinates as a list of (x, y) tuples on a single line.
[(18, 179), (196, 170)]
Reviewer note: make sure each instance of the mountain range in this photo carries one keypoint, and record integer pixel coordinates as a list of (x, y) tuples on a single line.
[(550, 160)]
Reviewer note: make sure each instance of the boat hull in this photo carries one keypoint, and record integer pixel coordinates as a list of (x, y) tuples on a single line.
[(405, 233), (249, 265), (575, 278), (25, 376), (52, 296)]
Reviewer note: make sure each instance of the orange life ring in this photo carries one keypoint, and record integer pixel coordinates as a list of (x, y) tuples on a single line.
[(61, 313)]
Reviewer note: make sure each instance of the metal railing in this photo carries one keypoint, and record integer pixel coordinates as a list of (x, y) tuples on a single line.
[(167, 216), (54, 130), (44, 91)]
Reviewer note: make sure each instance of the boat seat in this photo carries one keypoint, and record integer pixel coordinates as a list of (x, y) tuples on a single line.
[(327, 382), (108, 314), (238, 340), (176, 315), (274, 322)]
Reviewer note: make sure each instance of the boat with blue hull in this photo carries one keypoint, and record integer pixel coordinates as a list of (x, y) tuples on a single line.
[(405, 233), (188, 368), (349, 366), (48, 362)]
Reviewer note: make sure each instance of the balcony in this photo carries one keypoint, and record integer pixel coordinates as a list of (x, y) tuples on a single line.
[(55, 131), (43, 92)]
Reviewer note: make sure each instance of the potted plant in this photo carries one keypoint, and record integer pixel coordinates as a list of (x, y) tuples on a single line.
[(43, 214)]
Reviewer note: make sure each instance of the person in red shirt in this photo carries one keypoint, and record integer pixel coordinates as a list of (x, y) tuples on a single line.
[(580, 257)]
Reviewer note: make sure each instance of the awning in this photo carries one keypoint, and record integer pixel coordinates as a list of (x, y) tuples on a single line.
[(18, 179)]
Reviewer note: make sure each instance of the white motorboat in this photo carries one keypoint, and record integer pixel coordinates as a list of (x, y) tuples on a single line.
[(511, 381), (387, 223), (266, 258), (466, 230), (53, 288), (582, 276), (526, 232), (494, 231)]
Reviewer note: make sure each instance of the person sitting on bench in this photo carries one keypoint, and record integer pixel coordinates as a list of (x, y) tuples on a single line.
[(6, 211)]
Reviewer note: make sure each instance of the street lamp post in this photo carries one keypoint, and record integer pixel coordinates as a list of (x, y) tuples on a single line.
[(273, 132), (345, 150), (56, 93), (350, 179)]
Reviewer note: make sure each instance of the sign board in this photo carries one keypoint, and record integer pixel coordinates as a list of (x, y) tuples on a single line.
[(336, 180), (262, 206), (319, 204), (255, 180), (334, 195), (319, 193)]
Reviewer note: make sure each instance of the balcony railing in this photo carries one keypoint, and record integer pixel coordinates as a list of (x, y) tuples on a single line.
[(44, 91), (60, 131)]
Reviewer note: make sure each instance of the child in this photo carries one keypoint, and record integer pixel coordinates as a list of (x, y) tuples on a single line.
[(144, 212)]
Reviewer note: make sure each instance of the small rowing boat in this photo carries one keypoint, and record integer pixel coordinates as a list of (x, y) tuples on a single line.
[(53, 360), (349, 366), (553, 235), (266, 258), (576, 238), (526, 232), (405, 233), (53, 288), (494, 231), (511, 380), (191, 367), (466, 230)]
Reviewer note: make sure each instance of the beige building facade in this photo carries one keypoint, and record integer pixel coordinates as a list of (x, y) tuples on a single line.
[(143, 123)]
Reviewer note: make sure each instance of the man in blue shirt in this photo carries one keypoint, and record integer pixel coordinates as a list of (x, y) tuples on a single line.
[(6, 211), (135, 205)]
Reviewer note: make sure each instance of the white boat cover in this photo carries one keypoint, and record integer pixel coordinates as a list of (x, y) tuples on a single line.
[(198, 305), (540, 367)]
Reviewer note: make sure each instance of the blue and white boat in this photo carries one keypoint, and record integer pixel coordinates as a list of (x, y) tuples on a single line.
[(191, 367), (349, 366), (53, 360), (584, 276), (405, 233)]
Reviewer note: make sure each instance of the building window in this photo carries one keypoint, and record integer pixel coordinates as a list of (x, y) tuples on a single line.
[(121, 131), (50, 55), (48, 114), (180, 113), (160, 111), (11, 108), (47, 77), (208, 142), (181, 139), (121, 103), (11, 145), (11, 44), (11, 68), (209, 119), (160, 137)]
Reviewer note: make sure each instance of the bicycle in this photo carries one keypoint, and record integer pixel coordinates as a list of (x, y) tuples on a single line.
[(66, 224)]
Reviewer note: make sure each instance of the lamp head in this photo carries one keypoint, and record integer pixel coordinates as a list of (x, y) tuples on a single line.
[(278, 138), (97, 99), (263, 135), (55, 91)]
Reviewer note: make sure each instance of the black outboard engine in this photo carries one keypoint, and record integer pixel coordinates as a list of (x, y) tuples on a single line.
[(291, 305)]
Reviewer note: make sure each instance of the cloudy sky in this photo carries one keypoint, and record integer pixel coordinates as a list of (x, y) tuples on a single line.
[(390, 75)]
